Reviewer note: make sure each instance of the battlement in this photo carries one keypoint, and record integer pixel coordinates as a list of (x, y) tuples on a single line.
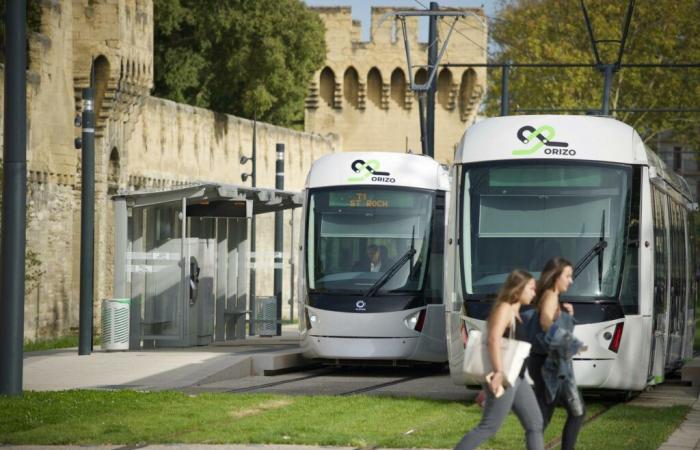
[(363, 91), (386, 30)]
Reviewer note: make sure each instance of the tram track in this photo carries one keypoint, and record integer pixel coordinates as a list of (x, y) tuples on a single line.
[(329, 372), (323, 372), (381, 385)]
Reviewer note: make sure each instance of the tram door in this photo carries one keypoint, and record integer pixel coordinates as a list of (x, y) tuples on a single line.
[(659, 319)]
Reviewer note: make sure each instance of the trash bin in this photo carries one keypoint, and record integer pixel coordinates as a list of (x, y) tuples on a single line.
[(266, 316), (115, 323)]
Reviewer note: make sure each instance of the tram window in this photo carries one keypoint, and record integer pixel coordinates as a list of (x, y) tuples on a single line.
[(629, 292), (522, 214), (356, 235)]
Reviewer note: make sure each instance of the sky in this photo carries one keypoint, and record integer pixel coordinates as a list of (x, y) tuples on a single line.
[(361, 9)]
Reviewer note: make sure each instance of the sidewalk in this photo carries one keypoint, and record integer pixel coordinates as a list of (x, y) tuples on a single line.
[(192, 447), (687, 436)]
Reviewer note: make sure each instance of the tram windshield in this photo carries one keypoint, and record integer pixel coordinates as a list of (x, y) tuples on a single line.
[(355, 235), (521, 214)]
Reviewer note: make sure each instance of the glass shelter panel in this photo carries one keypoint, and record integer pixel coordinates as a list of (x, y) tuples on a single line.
[(155, 261)]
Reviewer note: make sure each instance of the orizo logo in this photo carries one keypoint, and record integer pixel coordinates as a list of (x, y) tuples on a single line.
[(360, 305), (369, 169), (542, 137)]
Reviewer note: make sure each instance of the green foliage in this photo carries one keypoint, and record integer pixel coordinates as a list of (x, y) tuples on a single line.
[(33, 22), (52, 344), (241, 57), (127, 417), (662, 31)]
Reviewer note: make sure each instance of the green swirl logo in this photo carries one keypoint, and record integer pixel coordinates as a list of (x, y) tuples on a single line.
[(538, 137), (365, 169)]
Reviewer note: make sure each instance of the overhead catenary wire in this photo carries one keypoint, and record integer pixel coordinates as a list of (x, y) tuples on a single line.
[(456, 30)]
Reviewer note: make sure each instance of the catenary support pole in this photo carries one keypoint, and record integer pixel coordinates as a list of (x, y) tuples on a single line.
[(505, 94), (279, 236), (14, 194), (608, 70), (251, 315), (87, 223), (432, 61)]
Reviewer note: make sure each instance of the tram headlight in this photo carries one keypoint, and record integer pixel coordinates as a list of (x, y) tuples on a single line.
[(311, 320), (414, 321)]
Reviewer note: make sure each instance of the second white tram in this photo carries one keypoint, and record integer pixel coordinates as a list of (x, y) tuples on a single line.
[(371, 259), (528, 188)]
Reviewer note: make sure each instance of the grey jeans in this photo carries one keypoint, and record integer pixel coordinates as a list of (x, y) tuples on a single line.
[(521, 399)]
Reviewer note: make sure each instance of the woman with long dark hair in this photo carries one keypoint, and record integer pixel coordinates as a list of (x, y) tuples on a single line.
[(517, 290), (555, 279)]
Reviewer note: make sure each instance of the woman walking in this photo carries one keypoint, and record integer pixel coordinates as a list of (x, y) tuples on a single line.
[(556, 320), (517, 290)]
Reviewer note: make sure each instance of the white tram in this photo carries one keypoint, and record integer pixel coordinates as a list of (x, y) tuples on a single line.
[(371, 258), (528, 188)]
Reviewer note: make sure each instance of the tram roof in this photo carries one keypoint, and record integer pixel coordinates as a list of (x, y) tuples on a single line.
[(564, 138), (216, 199), (378, 169), (551, 137)]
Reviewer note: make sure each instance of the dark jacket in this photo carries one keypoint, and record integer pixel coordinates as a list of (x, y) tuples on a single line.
[(558, 369)]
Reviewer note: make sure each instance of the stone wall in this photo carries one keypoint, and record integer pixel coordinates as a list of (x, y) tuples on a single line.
[(141, 142), (146, 142), (362, 93)]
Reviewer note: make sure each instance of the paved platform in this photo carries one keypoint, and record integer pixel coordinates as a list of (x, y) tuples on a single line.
[(161, 369)]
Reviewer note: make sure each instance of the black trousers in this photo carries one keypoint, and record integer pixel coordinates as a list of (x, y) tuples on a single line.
[(573, 423)]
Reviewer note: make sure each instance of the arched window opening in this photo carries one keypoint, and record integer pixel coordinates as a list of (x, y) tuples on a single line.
[(351, 86), (444, 88), (374, 87), (466, 89), (421, 76), (327, 86), (101, 68), (398, 87), (113, 171)]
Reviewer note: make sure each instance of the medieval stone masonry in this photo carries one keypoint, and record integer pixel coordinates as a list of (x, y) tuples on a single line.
[(363, 92), (359, 100)]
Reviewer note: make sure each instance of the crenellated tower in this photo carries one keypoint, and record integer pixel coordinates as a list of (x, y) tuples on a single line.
[(363, 95)]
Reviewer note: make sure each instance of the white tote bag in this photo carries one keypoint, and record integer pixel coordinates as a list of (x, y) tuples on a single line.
[(477, 363)]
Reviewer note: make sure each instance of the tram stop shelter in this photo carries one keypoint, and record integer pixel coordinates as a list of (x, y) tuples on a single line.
[(182, 258)]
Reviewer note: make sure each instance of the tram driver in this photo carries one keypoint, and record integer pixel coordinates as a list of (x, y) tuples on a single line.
[(376, 260)]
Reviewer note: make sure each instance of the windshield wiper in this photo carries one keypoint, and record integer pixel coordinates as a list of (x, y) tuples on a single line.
[(391, 271), (598, 249)]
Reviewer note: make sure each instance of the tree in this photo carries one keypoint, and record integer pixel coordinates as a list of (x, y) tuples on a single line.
[(33, 23), (241, 57), (661, 31)]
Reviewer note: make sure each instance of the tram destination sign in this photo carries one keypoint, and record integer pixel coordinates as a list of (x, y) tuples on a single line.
[(370, 199)]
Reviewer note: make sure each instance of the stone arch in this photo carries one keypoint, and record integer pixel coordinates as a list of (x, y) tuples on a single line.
[(113, 171), (351, 86), (374, 86), (327, 86), (398, 87), (466, 90), (421, 76), (444, 88), (100, 67)]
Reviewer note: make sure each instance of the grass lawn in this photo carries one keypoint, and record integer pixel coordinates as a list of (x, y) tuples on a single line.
[(125, 417), (50, 344)]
